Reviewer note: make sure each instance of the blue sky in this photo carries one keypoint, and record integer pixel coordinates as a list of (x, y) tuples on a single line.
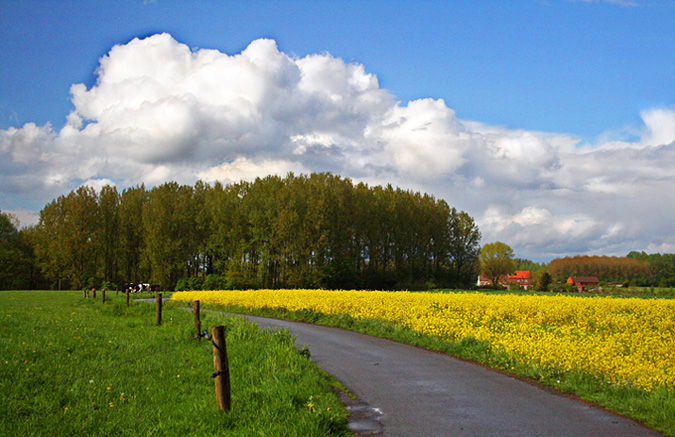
[(547, 87), (562, 66)]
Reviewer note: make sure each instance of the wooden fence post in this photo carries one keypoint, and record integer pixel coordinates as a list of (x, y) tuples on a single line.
[(221, 367), (127, 293), (103, 295), (158, 306), (197, 321)]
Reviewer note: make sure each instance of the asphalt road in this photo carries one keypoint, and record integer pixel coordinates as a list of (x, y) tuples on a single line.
[(408, 391)]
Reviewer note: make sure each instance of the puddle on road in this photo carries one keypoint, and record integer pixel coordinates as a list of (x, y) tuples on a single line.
[(364, 420)]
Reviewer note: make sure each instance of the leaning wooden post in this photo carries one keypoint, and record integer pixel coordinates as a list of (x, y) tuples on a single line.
[(158, 306), (127, 292), (221, 367), (198, 322)]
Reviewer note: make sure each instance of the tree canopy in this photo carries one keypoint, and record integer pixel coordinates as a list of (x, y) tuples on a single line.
[(605, 268), (319, 230), (662, 272), (496, 259), (18, 270)]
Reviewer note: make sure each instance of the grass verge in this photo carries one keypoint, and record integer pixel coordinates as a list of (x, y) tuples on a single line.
[(74, 366), (655, 408)]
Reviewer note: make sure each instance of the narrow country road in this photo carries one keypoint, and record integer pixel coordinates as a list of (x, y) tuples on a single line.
[(423, 393)]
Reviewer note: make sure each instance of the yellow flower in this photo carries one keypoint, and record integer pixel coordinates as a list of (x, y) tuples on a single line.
[(629, 341)]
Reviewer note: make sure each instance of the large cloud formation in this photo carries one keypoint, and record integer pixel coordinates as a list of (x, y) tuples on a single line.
[(160, 111)]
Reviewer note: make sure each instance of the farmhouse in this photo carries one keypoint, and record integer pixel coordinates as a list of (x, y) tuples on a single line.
[(583, 282), (522, 277)]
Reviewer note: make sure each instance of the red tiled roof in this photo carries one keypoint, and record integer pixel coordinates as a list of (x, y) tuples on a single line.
[(583, 280), (521, 274)]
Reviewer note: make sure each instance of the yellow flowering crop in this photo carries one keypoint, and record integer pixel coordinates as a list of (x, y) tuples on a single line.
[(625, 340)]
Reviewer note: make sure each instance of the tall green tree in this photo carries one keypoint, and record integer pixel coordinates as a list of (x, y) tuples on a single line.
[(463, 241), (543, 281), (50, 243), (10, 256), (82, 222), (496, 259), (132, 262), (28, 275), (317, 230), (171, 236), (65, 241), (108, 233)]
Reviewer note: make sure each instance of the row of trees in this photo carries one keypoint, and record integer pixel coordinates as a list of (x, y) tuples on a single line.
[(319, 230), (638, 268), (605, 268), (18, 269), (663, 267)]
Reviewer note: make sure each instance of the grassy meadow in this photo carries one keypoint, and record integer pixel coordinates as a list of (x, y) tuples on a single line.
[(615, 352), (75, 366)]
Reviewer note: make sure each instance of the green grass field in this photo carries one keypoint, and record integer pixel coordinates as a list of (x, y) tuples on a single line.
[(75, 366)]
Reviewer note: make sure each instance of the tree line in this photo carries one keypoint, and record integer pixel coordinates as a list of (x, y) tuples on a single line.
[(633, 269), (305, 231), (18, 266), (636, 269), (663, 267)]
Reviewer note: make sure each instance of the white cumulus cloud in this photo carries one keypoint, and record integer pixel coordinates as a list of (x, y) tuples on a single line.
[(160, 111)]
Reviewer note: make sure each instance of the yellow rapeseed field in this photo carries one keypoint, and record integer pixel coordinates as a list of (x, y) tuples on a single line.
[(626, 340)]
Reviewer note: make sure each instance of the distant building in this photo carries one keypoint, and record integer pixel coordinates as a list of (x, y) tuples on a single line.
[(483, 281), (521, 277), (583, 282)]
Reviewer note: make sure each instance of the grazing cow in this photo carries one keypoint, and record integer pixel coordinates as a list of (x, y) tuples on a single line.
[(132, 287)]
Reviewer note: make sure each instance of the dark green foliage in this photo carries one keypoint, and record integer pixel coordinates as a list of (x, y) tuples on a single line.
[(18, 264), (301, 231), (663, 268), (496, 260), (215, 282), (544, 281), (9, 251)]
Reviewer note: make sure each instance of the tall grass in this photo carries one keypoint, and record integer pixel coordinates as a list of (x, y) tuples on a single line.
[(74, 366)]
